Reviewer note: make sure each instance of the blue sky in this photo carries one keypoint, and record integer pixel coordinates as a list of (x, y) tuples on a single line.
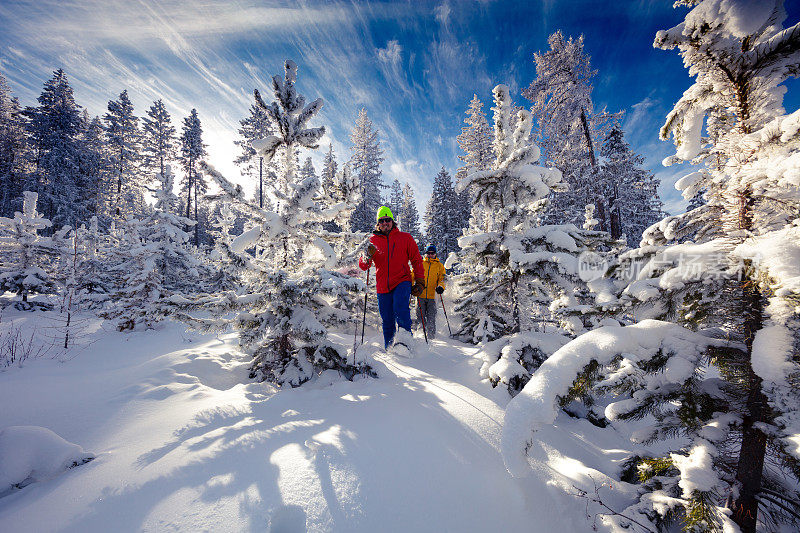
[(414, 65)]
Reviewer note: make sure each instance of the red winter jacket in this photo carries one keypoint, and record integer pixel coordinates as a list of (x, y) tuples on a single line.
[(394, 251)]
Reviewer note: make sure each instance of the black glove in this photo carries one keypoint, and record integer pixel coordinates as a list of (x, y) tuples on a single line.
[(439, 289)]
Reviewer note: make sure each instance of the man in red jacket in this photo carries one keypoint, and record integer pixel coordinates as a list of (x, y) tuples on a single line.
[(391, 250)]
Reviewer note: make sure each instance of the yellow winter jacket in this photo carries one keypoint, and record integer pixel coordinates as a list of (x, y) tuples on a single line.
[(434, 277)]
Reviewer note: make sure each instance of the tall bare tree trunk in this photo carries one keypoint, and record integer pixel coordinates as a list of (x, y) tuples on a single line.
[(189, 191), (615, 218), (750, 468), (608, 214), (588, 135), (196, 218)]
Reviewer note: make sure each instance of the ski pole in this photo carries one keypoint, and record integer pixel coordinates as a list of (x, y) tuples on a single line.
[(364, 320), (355, 343), (445, 316), (422, 316)]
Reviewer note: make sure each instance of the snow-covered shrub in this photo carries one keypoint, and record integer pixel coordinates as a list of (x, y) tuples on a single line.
[(18, 345), (86, 266), (512, 360), (25, 253)]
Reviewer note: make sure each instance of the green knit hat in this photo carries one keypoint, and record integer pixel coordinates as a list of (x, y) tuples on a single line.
[(384, 212)]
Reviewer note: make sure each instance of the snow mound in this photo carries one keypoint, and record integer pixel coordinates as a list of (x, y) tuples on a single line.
[(32, 453), (536, 406)]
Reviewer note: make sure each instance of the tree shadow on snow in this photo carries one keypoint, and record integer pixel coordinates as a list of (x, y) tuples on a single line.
[(373, 452)]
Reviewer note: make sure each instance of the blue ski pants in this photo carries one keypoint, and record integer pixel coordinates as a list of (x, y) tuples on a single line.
[(394, 308)]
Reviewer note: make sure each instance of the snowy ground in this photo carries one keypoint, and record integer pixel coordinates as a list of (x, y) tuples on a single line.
[(184, 442)]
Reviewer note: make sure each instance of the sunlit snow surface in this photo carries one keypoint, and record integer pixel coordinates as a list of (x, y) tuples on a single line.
[(185, 442)]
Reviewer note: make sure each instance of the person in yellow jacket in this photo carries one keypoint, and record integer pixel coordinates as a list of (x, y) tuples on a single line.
[(434, 284)]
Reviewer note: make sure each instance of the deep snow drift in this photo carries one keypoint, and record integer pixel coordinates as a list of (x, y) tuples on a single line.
[(184, 442)]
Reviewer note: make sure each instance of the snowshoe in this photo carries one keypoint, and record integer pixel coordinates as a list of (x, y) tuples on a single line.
[(401, 349), (404, 344)]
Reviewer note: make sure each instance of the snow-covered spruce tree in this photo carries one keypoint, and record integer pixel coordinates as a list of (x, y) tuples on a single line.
[(514, 192), (192, 152), (728, 409), (164, 228), (341, 198), (308, 170), (123, 141), (741, 54), (225, 272), (329, 169), (554, 296), (396, 200), (553, 301), (138, 298), (568, 129), (476, 141), (345, 299), (12, 149), (53, 132), (442, 217), (91, 276), (153, 262), (26, 252), (366, 164), (409, 214), (283, 305), (637, 204), (327, 179), (159, 142), (94, 167)]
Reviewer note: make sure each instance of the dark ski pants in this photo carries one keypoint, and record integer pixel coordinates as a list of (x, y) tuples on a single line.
[(393, 306), (426, 308)]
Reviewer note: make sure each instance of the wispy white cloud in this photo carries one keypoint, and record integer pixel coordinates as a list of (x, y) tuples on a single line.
[(392, 54), (402, 170), (103, 22), (640, 116), (443, 13), (415, 174), (449, 62), (390, 62)]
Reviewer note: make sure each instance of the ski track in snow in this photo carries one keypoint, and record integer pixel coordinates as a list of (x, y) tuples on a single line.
[(185, 442)]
